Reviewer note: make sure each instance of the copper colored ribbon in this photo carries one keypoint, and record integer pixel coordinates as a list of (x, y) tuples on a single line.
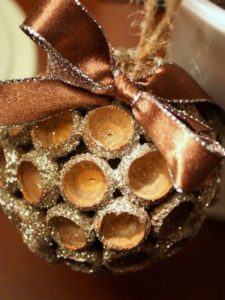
[(82, 74)]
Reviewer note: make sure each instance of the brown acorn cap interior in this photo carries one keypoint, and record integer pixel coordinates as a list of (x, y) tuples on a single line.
[(111, 127), (15, 130), (70, 235), (176, 219), (2, 167), (30, 181), (149, 176), (84, 184), (54, 131), (122, 231)]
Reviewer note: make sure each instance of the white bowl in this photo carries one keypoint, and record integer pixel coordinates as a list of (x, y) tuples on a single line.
[(198, 45), (18, 54)]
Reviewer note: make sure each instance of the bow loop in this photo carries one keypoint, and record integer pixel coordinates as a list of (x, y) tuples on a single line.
[(74, 41), (171, 82)]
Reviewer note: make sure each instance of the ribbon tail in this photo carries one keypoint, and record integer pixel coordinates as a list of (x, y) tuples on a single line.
[(170, 81), (29, 100), (191, 121), (190, 157)]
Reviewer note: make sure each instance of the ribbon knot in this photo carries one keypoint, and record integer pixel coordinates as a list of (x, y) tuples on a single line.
[(125, 90), (81, 74)]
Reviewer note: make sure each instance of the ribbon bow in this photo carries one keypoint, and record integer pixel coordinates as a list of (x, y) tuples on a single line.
[(82, 74)]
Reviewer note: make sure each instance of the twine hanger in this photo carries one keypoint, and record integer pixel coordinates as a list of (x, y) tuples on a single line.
[(152, 39)]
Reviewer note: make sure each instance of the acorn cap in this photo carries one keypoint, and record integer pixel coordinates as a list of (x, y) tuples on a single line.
[(59, 134), (87, 181), (109, 131), (145, 175), (38, 179), (122, 225), (170, 220), (71, 229), (127, 261)]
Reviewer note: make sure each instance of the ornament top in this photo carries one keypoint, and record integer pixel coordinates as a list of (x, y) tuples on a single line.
[(82, 73)]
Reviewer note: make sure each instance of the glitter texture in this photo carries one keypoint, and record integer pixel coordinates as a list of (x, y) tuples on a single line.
[(96, 212), (83, 229), (38, 164), (110, 131), (101, 181), (31, 222), (125, 232), (114, 227), (88, 261), (172, 218), (9, 162), (20, 135), (128, 261), (58, 135), (139, 173)]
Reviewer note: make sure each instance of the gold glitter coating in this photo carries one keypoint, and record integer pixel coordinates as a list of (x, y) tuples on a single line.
[(31, 223), (12, 207), (208, 193), (89, 260), (36, 235), (20, 135), (122, 225), (59, 135), (87, 182), (118, 211), (110, 131), (171, 218), (107, 222), (128, 261), (9, 159), (38, 179), (3, 133), (96, 250), (167, 248), (81, 267), (71, 229), (144, 175)]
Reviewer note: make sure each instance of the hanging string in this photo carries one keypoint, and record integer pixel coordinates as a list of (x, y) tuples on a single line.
[(153, 39)]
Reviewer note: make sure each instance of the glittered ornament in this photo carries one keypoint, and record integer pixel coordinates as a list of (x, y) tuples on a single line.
[(90, 181), (116, 214)]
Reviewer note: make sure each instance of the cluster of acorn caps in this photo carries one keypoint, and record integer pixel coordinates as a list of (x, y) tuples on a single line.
[(89, 189)]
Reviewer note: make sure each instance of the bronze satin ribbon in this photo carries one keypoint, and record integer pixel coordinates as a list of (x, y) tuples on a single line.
[(82, 74)]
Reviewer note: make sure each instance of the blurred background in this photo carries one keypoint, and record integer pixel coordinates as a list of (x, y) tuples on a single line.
[(196, 273)]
